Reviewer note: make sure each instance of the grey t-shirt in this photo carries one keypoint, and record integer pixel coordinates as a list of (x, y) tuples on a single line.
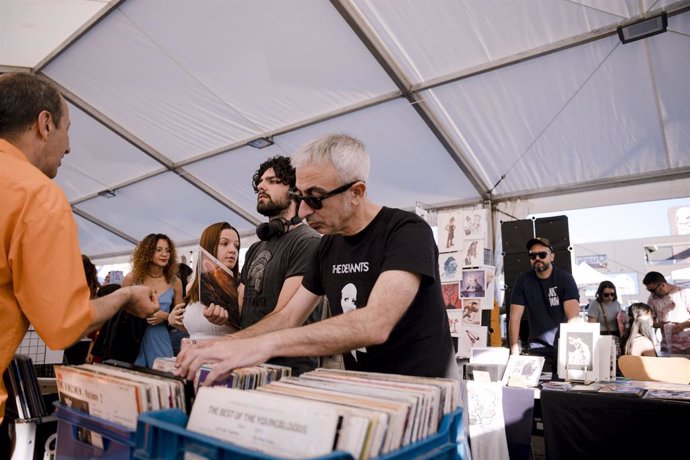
[(267, 265), (611, 311)]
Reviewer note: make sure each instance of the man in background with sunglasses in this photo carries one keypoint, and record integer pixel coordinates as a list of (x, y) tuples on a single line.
[(550, 296), (387, 260), (671, 305)]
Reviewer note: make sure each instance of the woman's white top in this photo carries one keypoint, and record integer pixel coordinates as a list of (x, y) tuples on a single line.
[(199, 327)]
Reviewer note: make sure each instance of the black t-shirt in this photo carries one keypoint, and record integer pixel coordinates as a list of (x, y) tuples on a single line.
[(543, 300), (345, 269)]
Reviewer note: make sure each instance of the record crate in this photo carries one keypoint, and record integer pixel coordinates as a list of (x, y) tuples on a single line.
[(161, 435), (108, 440)]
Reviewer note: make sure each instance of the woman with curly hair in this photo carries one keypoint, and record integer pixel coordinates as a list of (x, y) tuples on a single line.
[(222, 241), (154, 264)]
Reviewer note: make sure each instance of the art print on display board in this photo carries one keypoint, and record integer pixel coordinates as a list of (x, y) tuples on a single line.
[(578, 357), (474, 224), (451, 295), (579, 354), (523, 371), (488, 300), (471, 311), (449, 238), (473, 253), (449, 267), (454, 321), (486, 421), (473, 283), (469, 336)]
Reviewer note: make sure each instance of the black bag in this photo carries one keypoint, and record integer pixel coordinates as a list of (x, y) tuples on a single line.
[(120, 338)]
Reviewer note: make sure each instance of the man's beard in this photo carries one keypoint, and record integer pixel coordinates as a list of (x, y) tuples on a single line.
[(542, 268), (270, 208)]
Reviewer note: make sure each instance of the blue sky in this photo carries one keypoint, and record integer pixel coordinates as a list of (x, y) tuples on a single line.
[(621, 222)]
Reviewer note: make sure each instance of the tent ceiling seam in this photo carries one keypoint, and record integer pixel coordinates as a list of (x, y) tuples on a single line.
[(657, 103), (119, 186), (14, 68), (373, 44), (594, 35), (590, 7), (80, 32), (216, 195), (111, 125), (556, 115), (155, 155), (103, 225), (599, 184), (296, 126), (253, 124)]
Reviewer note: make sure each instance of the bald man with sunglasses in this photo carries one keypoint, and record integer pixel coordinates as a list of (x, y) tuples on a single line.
[(386, 258), (550, 296)]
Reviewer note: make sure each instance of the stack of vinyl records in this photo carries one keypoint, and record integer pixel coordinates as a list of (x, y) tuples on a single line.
[(119, 392), (24, 393), (362, 413)]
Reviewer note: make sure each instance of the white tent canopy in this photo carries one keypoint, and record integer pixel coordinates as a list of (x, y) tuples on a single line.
[(459, 102)]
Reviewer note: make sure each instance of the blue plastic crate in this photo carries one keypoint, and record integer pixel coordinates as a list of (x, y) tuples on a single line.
[(161, 435), (118, 441)]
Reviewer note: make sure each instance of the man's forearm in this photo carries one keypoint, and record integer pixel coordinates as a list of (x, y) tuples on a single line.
[(334, 335), (274, 321), (513, 334), (105, 307)]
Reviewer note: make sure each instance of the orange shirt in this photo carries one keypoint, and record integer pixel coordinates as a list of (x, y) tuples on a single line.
[(42, 278)]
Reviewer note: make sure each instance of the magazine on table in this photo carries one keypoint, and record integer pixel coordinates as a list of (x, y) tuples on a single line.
[(216, 285), (668, 394), (626, 388)]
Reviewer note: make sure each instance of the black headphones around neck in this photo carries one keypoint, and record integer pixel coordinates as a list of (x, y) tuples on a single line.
[(275, 227)]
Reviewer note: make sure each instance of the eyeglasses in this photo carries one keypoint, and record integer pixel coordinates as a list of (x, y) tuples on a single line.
[(315, 202), (653, 290), (609, 294), (541, 255)]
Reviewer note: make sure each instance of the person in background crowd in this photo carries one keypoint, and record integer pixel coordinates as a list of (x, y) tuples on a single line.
[(120, 336), (671, 305), (79, 352), (154, 264), (605, 308), (639, 339), (42, 280), (222, 241), (388, 254), (184, 271), (550, 296), (274, 268)]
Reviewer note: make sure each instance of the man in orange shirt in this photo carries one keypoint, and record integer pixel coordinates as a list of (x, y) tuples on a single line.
[(41, 273)]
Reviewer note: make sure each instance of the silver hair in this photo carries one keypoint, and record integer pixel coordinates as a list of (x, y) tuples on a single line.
[(345, 153)]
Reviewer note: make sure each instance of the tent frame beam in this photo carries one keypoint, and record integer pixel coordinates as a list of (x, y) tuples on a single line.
[(378, 50)]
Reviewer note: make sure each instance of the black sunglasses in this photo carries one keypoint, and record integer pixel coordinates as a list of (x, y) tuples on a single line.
[(609, 294), (541, 255), (315, 202)]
